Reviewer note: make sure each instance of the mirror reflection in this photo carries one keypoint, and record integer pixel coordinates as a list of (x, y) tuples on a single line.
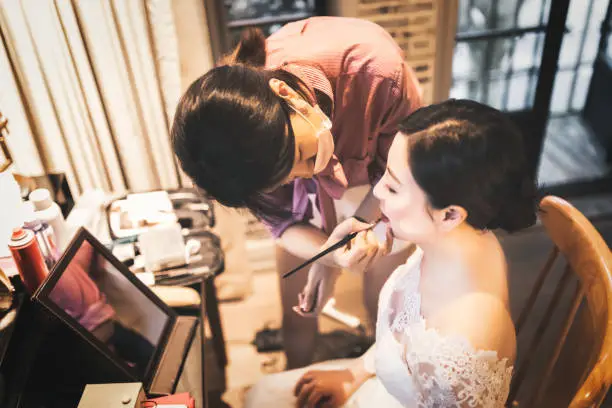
[(105, 303)]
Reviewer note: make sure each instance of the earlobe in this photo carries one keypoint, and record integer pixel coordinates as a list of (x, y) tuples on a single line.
[(280, 88), (452, 217), (455, 213), (284, 91)]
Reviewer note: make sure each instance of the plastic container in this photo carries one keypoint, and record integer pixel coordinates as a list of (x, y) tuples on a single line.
[(49, 212), (45, 236)]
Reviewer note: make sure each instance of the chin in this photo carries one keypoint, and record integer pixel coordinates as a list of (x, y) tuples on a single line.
[(408, 236), (403, 237), (398, 233)]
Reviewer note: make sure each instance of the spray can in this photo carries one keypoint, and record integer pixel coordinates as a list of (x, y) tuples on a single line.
[(28, 258)]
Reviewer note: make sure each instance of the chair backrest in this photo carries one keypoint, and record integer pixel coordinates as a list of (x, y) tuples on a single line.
[(586, 358)]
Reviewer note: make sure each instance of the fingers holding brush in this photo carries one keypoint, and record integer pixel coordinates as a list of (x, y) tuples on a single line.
[(346, 227), (356, 250), (331, 253), (353, 253), (365, 249)]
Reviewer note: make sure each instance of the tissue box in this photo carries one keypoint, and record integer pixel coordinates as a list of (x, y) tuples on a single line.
[(162, 247)]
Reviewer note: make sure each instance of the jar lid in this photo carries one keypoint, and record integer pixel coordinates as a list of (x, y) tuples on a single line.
[(41, 198)]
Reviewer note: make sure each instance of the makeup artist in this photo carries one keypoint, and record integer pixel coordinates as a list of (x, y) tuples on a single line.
[(294, 127)]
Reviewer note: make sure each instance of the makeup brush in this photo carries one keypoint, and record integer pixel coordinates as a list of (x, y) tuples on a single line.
[(332, 248)]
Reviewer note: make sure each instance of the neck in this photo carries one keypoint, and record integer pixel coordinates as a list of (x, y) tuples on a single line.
[(455, 244)]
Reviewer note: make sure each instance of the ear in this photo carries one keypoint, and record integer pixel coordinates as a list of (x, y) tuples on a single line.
[(282, 90), (450, 217)]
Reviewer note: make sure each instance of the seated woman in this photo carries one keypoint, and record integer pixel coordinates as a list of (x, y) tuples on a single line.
[(444, 336)]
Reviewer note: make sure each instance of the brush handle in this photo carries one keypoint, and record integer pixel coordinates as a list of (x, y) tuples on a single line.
[(321, 254)]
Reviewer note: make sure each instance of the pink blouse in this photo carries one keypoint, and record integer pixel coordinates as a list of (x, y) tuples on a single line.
[(358, 65)]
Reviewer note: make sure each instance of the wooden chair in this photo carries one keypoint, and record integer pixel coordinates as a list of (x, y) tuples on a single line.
[(578, 370)]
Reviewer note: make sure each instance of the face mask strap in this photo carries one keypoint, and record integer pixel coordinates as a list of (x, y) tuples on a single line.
[(324, 128), (326, 124)]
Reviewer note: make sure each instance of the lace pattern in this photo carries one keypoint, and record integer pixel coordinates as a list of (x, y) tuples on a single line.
[(410, 310), (450, 372), (444, 371)]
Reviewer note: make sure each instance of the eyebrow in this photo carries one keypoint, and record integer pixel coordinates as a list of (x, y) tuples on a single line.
[(393, 176)]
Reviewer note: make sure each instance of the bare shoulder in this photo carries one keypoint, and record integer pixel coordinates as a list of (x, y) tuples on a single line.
[(483, 319)]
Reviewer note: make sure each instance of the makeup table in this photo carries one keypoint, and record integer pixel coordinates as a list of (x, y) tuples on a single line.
[(198, 275)]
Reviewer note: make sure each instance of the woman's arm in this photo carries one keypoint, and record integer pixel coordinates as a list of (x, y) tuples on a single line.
[(367, 361), (304, 241), (363, 369)]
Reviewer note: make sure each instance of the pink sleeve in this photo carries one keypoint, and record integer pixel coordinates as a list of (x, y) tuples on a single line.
[(372, 105), (399, 99)]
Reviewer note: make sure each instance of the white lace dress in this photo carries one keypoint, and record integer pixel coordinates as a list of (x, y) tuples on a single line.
[(415, 366)]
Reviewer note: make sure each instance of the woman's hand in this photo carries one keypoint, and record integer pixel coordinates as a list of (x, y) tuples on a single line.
[(318, 290), (356, 256), (324, 389), (362, 251)]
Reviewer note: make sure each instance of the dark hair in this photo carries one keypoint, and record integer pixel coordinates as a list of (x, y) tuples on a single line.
[(469, 154), (231, 132)]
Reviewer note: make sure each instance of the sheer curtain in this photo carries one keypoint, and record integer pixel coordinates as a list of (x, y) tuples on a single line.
[(89, 88)]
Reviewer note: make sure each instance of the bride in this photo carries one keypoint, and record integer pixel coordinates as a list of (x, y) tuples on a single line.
[(444, 334)]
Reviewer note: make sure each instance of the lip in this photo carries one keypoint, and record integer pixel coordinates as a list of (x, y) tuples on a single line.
[(383, 217)]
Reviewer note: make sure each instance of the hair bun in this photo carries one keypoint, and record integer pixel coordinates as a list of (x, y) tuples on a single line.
[(518, 210), (251, 49)]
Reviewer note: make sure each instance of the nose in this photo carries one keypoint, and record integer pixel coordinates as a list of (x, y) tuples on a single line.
[(377, 192)]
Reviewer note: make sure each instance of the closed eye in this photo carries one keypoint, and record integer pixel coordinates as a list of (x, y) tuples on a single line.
[(388, 186)]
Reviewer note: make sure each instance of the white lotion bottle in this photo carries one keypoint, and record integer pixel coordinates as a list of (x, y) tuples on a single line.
[(48, 211)]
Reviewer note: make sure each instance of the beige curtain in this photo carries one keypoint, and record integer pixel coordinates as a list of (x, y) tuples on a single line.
[(90, 87)]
